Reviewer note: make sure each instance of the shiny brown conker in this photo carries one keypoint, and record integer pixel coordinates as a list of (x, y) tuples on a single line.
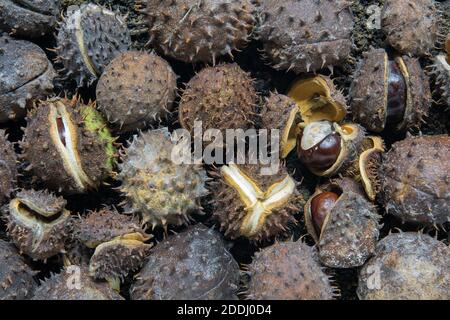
[(396, 100), (320, 207), (322, 155)]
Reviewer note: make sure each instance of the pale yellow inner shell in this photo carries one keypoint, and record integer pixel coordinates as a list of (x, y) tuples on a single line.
[(258, 204), (68, 152), (27, 219)]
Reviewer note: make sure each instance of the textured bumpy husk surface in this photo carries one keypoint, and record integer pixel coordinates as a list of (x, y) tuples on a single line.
[(407, 266), (411, 27), (104, 225), (305, 35), (28, 18), (27, 74), (369, 91), (136, 89), (8, 168), (199, 31), (30, 233), (194, 264), (102, 35), (276, 114), (415, 179), (441, 72), (74, 283), (288, 271), (117, 258), (220, 97), (118, 240), (43, 156), (160, 190), (16, 278), (230, 211)]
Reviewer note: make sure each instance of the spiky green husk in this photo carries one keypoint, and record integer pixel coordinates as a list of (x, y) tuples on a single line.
[(94, 122)]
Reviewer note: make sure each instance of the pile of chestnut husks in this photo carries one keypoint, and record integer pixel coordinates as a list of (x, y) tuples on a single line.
[(219, 149)]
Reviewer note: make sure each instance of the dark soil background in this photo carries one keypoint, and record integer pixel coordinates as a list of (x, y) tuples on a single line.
[(266, 80)]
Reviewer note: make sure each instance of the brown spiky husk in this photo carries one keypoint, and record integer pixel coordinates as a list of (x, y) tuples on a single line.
[(104, 35), (194, 265), (117, 258), (407, 266), (415, 179), (441, 74), (73, 283), (220, 97), (199, 31), (43, 157), (369, 92), (16, 278), (45, 231), (419, 89), (8, 168), (288, 271), (275, 114), (305, 35), (411, 27), (137, 89), (229, 210), (103, 225)]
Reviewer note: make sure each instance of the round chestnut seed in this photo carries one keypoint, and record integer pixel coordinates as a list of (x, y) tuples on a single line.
[(321, 205), (319, 146), (396, 102)]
